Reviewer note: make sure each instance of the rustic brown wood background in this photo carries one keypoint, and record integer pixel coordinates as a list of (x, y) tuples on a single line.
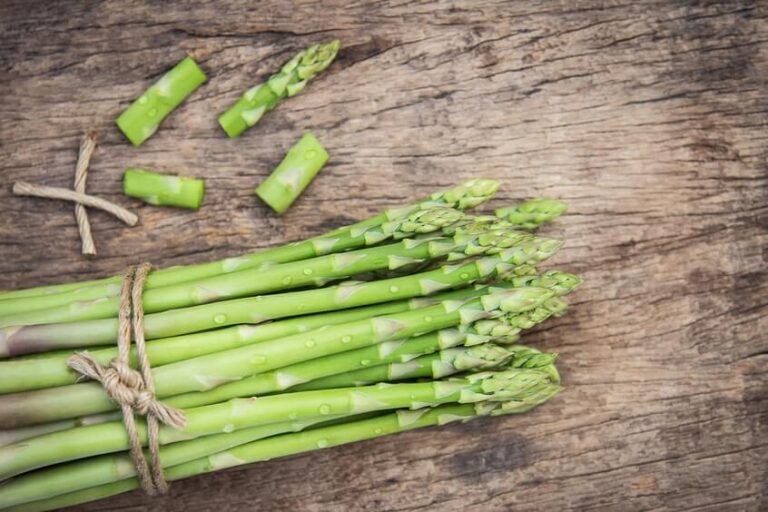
[(649, 118)]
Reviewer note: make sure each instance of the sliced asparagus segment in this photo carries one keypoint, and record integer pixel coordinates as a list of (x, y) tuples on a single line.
[(289, 179), (162, 189), (140, 120)]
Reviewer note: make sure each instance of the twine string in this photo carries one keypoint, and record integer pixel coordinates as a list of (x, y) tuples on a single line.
[(133, 389)]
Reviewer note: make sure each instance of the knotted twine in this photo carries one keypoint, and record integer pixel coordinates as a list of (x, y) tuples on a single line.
[(134, 390)]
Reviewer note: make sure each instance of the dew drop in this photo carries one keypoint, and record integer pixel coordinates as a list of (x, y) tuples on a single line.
[(307, 271), (310, 154), (220, 318), (346, 339), (394, 289), (258, 359), (143, 100), (322, 443), (287, 280), (152, 112), (325, 409), (293, 416), (365, 362), (464, 275), (427, 318), (309, 343), (228, 428), (378, 430)]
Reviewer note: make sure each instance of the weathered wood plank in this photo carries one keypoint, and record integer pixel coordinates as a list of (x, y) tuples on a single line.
[(647, 117)]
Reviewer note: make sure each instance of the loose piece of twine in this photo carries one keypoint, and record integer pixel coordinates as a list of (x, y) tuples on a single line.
[(24, 188), (87, 146), (134, 390)]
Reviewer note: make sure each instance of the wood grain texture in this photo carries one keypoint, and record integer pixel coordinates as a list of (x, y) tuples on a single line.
[(649, 118)]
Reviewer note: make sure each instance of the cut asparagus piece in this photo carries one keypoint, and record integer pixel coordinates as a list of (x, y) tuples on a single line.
[(163, 189), (238, 414), (289, 179), (467, 195), (207, 372), (533, 213), (290, 80), (141, 119)]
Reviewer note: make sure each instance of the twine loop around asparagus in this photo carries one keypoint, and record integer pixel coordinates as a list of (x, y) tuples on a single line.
[(133, 389)]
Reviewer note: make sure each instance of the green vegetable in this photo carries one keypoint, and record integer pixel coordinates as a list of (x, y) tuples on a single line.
[(304, 441), (161, 189), (533, 213), (299, 167), (467, 195), (239, 414), (290, 80), (207, 372), (15, 340), (140, 120)]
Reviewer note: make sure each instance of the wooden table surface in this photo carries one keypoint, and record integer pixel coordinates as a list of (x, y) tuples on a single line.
[(649, 118)]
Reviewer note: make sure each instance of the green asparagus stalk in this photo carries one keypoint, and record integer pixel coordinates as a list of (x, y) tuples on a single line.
[(238, 414), (111, 468), (467, 195), (289, 179), (422, 221), (533, 213), (141, 120), (162, 189), (481, 331), (309, 440), (286, 276), (290, 80), (28, 374), (36, 338), (207, 372), (437, 365)]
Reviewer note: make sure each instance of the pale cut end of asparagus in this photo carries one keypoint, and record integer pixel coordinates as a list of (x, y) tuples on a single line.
[(162, 189), (299, 167)]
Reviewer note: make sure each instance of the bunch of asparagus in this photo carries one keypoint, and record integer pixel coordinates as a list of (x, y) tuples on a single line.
[(408, 319)]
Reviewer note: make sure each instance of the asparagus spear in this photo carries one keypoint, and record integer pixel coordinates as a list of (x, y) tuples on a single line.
[(285, 276), (36, 338), (533, 213), (162, 189), (289, 179), (20, 375), (140, 120), (467, 195), (438, 365), (207, 372), (481, 331), (422, 221), (238, 414), (290, 80), (309, 440)]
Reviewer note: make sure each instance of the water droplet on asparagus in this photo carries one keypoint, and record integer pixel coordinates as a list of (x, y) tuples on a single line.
[(258, 359), (325, 409), (427, 318), (346, 339), (309, 343), (394, 289), (322, 443), (220, 318), (228, 428), (143, 100), (378, 430), (152, 112), (307, 271), (287, 280), (365, 362)]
